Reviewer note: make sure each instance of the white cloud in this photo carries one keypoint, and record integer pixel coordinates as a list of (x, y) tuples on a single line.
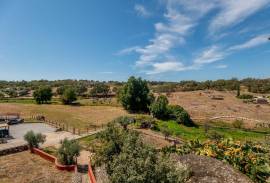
[(141, 10), (128, 50), (209, 55), (180, 20), (167, 67), (235, 11), (256, 41)]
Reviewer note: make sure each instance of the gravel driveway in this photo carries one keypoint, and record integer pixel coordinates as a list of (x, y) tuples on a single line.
[(19, 130)]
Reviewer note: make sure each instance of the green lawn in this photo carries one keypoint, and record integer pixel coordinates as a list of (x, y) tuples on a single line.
[(192, 133)]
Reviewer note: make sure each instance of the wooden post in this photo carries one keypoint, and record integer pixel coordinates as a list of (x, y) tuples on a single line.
[(73, 130)]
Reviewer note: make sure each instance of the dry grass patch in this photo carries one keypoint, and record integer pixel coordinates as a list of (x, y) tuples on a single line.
[(25, 167), (77, 116), (200, 105)]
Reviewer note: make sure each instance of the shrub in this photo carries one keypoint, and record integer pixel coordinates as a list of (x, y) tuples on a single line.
[(245, 96), (135, 95), (128, 159), (159, 108), (215, 136), (238, 124), (124, 121), (34, 139), (43, 95), (69, 96), (68, 151), (99, 89)]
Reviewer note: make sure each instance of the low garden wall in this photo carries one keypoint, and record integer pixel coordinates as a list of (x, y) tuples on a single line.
[(53, 159), (91, 175)]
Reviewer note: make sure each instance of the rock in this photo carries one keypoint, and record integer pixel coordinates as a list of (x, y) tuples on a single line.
[(209, 170)]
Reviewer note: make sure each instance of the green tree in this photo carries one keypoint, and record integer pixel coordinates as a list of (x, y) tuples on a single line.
[(159, 108), (68, 151), (134, 96), (100, 89), (34, 139), (69, 96), (43, 95), (129, 160)]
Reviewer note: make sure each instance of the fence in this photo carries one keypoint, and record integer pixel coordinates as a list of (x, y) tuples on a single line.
[(60, 125)]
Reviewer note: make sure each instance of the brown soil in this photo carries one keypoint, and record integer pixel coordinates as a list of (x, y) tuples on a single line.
[(202, 107), (25, 167)]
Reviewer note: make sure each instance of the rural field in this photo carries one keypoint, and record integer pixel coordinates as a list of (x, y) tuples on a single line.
[(25, 167), (201, 107), (77, 116)]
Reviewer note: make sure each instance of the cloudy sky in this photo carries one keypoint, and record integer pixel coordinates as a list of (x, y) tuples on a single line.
[(155, 39)]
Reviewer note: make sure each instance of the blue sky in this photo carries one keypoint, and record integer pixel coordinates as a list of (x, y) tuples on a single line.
[(156, 39)]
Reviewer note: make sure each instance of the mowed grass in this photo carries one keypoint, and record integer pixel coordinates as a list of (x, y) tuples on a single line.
[(76, 116), (192, 133)]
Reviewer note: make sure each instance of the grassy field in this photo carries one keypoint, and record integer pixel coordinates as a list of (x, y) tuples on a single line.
[(192, 133), (25, 167), (77, 116)]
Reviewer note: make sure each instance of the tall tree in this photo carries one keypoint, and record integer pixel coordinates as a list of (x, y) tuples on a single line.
[(135, 95), (43, 95), (69, 96)]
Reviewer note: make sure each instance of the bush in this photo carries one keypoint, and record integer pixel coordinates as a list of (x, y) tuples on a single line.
[(43, 95), (128, 159), (135, 95), (69, 96), (238, 124), (245, 96), (33, 139), (159, 108), (124, 121), (68, 151)]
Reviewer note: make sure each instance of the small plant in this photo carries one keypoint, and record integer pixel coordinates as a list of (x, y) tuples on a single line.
[(68, 152), (34, 139), (238, 124), (215, 136)]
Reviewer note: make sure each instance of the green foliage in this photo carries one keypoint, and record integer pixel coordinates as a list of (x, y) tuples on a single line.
[(99, 89), (245, 96), (238, 124), (129, 160), (159, 107), (238, 91), (43, 95), (68, 151), (34, 139), (2, 95), (69, 96), (180, 115), (161, 110), (250, 158), (124, 121), (134, 96)]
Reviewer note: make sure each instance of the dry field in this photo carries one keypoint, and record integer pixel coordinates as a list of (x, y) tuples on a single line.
[(201, 106), (78, 116), (25, 167)]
